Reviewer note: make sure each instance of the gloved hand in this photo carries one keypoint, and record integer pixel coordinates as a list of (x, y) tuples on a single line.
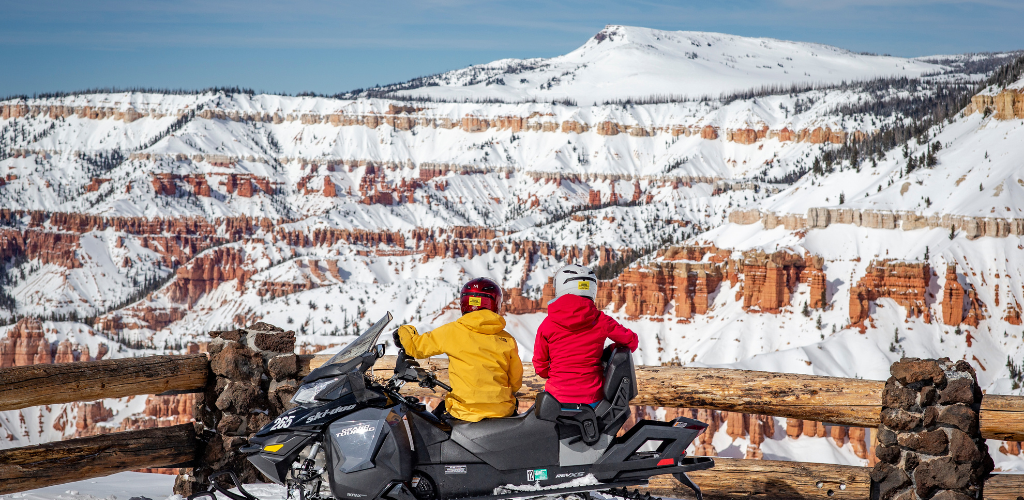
[(407, 368), (407, 329)]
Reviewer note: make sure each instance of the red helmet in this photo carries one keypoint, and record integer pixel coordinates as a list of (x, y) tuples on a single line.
[(480, 293)]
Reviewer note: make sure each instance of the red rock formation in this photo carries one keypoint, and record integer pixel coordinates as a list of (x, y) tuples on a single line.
[(1013, 313), (594, 198), (904, 282), (329, 190), (95, 184), (64, 352), (952, 298), (838, 434), (208, 271), (709, 133), (24, 345), (858, 440)]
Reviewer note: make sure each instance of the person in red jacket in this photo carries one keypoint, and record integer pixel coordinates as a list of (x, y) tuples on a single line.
[(571, 339)]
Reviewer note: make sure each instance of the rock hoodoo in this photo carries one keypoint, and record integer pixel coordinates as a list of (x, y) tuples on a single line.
[(904, 282)]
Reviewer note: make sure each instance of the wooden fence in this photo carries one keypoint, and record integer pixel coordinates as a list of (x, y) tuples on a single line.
[(832, 400)]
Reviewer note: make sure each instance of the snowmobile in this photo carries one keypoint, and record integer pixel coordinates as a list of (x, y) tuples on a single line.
[(361, 438)]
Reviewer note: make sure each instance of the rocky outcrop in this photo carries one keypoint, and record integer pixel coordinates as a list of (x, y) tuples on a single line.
[(818, 218), (95, 184), (929, 442), (904, 282), (24, 345), (208, 271), (1006, 105)]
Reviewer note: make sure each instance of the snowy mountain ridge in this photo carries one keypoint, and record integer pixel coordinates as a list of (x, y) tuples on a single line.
[(135, 223), (623, 62)]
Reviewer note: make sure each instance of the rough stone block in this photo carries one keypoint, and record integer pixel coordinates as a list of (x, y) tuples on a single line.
[(237, 362), (889, 480), (951, 495), (886, 437), (962, 448), (928, 442), (888, 454), (274, 342), (911, 370), (940, 474), (283, 366), (900, 420), (960, 416), (896, 395), (960, 390)]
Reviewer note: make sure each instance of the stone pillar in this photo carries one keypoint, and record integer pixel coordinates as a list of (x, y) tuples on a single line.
[(255, 374), (929, 442)]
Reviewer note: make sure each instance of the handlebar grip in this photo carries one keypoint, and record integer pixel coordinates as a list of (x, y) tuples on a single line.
[(442, 385)]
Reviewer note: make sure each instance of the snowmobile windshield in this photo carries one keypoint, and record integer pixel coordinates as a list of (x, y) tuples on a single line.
[(363, 344)]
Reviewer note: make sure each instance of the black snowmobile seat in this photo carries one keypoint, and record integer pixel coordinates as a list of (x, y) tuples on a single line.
[(519, 442)]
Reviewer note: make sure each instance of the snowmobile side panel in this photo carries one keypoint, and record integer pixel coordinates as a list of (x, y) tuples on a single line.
[(452, 452), (427, 429), (367, 454), (511, 442), (573, 451), (275, 464)]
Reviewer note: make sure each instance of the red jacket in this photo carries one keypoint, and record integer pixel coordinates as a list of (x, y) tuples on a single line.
[(568, 348)]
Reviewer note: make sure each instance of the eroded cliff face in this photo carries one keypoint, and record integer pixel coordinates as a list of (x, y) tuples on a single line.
[(685, 281), (819, 218), (406, 119), (1008, 104), (904, 282)]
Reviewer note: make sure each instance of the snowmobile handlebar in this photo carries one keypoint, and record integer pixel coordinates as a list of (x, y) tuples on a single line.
[(409, 370)]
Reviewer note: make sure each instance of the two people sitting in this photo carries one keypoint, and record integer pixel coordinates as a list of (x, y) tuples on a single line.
[(484, 366)]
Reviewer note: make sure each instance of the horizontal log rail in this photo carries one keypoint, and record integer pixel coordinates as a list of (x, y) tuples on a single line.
[(79, 459), (46, 384), (734, 478), (834, 400)]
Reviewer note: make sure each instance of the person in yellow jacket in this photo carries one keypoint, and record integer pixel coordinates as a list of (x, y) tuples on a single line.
[(483, 360)]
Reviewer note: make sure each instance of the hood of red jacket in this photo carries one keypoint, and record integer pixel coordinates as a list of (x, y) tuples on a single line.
[(573, 312)]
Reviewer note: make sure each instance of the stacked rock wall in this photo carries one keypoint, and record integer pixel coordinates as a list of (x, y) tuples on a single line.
[(255, 375), (929, 442)]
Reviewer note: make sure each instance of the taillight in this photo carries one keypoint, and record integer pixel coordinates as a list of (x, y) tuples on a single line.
[(666, 461)]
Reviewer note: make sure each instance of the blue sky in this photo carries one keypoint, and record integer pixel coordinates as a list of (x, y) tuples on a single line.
[(333, 46)]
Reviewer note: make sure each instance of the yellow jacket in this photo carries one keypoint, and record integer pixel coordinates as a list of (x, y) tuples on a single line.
[(483, 363)]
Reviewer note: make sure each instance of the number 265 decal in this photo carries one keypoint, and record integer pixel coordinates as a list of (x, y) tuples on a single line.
[(281, 423)]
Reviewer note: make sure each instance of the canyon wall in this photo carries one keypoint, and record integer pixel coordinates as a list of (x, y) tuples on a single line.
[(972, 227), (1008, 104), (407, 119)]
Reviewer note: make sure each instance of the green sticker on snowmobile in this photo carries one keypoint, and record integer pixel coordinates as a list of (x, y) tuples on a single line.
[(537, 475)]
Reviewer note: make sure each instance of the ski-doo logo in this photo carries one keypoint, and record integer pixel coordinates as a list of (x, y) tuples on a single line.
[(570, 474), (537, 475), (325, 413), (355, 429), (356, 495)]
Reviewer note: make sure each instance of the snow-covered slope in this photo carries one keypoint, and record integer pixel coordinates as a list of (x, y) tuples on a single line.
[(142, 221), (622, 62)]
